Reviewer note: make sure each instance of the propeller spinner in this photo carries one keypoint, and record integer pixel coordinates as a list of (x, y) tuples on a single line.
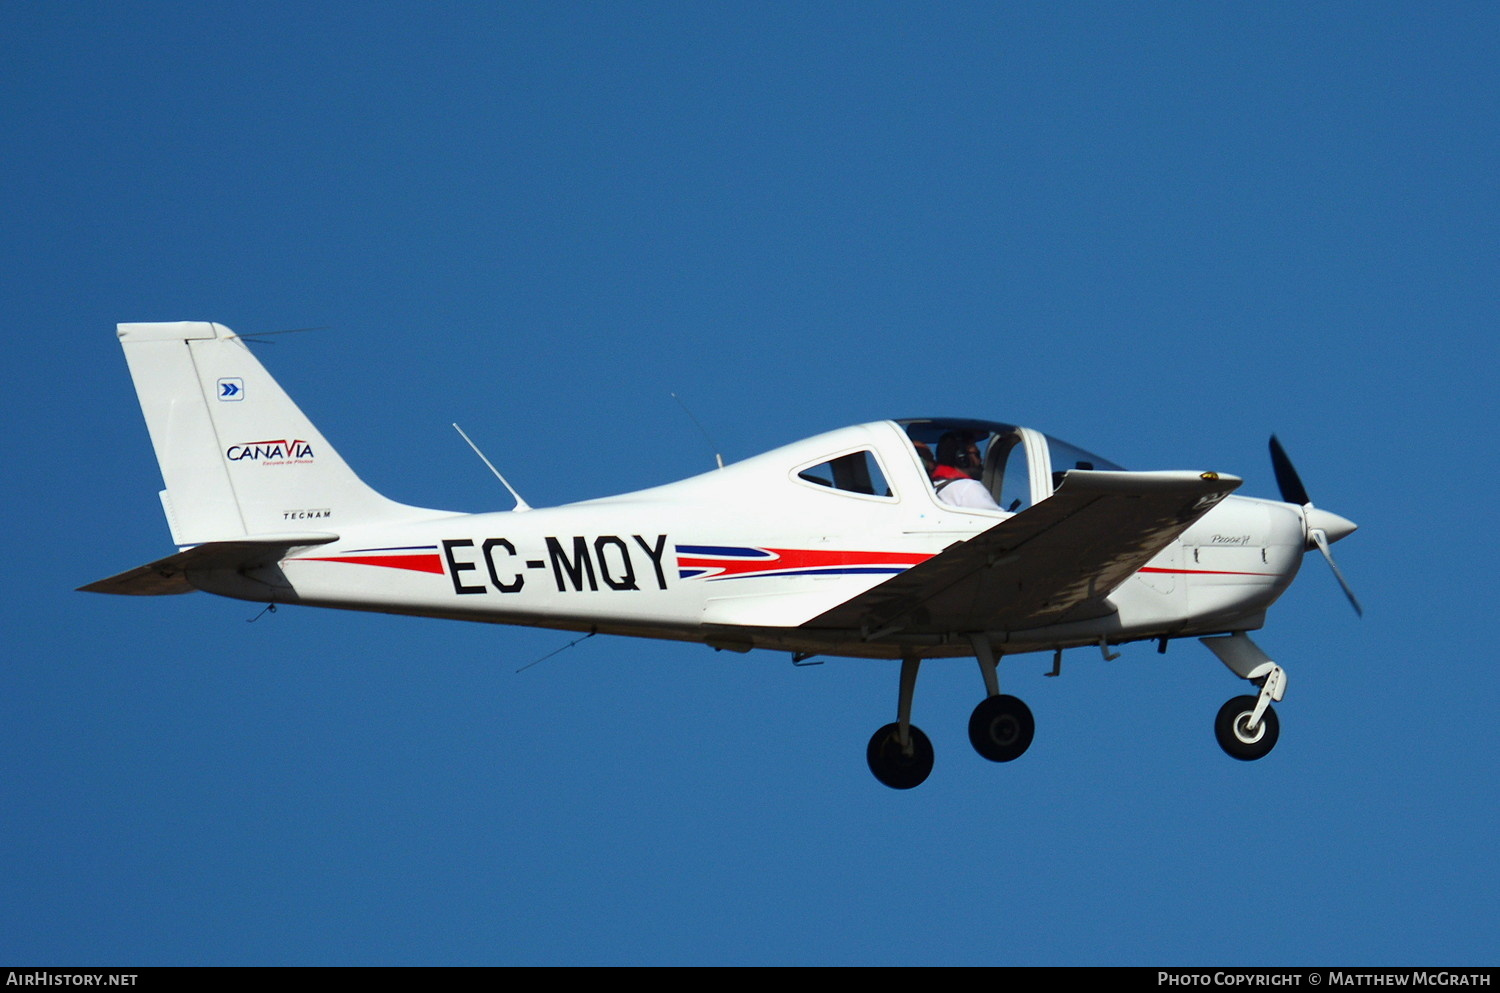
[(1323, 527)]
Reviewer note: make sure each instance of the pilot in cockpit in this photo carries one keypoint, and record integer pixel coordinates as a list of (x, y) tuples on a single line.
[(955, 478)]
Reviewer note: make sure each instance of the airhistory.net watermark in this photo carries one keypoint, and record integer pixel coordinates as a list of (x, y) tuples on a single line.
[(44, 977)]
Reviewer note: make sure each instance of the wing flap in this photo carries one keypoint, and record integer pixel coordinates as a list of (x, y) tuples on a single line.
[(1057, 561), (168, 576)]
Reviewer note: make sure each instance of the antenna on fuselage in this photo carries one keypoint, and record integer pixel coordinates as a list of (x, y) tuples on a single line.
[(520, 504), (717, 457)]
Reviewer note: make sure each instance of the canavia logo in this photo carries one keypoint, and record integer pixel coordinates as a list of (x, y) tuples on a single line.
[(275, 450)]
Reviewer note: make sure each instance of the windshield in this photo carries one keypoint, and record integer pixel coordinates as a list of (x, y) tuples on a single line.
[(1066, 456)]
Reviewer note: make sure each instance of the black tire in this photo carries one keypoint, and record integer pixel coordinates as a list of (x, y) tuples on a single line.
[(1237, 742), (1001, 728), (892, 764)]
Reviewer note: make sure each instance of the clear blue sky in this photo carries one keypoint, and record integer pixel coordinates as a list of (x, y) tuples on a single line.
[(1159, 230)]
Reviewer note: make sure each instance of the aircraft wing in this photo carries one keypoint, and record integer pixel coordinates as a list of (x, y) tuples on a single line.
[(1056, 561), (169, 575)]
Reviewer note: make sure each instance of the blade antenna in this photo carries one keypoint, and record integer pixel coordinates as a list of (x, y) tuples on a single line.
[(520, 504), (717, 457)]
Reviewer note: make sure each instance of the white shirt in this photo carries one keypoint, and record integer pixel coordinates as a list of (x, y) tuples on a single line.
[(968, 493)]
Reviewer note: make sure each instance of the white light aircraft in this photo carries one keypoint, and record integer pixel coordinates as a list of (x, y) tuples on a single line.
[(838, 545)]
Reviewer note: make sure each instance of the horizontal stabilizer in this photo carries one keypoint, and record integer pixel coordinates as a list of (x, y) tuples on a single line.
[(169, 575)]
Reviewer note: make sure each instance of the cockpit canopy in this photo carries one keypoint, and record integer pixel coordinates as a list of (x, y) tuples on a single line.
[(1019, 466)]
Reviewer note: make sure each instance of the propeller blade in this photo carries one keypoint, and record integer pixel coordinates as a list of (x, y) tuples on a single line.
[(1292, 490), (1321, 539), (1323, 527)]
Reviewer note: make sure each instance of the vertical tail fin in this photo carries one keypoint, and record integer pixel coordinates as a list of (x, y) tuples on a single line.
[(237, 455)]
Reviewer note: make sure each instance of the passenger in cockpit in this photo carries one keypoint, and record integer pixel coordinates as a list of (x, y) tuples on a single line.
[(955, 478)]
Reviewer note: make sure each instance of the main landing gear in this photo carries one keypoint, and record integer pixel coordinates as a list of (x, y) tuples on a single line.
[(896, 763), (900, 755), (1000, 729)]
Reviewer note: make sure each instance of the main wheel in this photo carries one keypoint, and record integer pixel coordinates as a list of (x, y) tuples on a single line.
[(897, 767), (1232, 728), (1001, 728)]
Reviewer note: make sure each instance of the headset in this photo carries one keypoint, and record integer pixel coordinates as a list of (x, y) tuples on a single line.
[(953, 449)]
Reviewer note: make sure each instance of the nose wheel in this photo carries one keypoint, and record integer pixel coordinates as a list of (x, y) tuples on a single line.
[(1239, 737)]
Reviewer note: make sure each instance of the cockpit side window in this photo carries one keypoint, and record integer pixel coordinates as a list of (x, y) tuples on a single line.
[(857, 472)]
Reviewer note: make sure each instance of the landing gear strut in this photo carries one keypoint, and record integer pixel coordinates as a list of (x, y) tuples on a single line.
[(899, 754), (1001, 727), (1247, 727)]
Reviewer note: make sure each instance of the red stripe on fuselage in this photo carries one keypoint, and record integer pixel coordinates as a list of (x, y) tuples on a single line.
[(414, 563), (1207, 572)]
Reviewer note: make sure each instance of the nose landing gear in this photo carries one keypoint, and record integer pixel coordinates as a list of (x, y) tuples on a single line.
[(1247, 727), (1239, 737)]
